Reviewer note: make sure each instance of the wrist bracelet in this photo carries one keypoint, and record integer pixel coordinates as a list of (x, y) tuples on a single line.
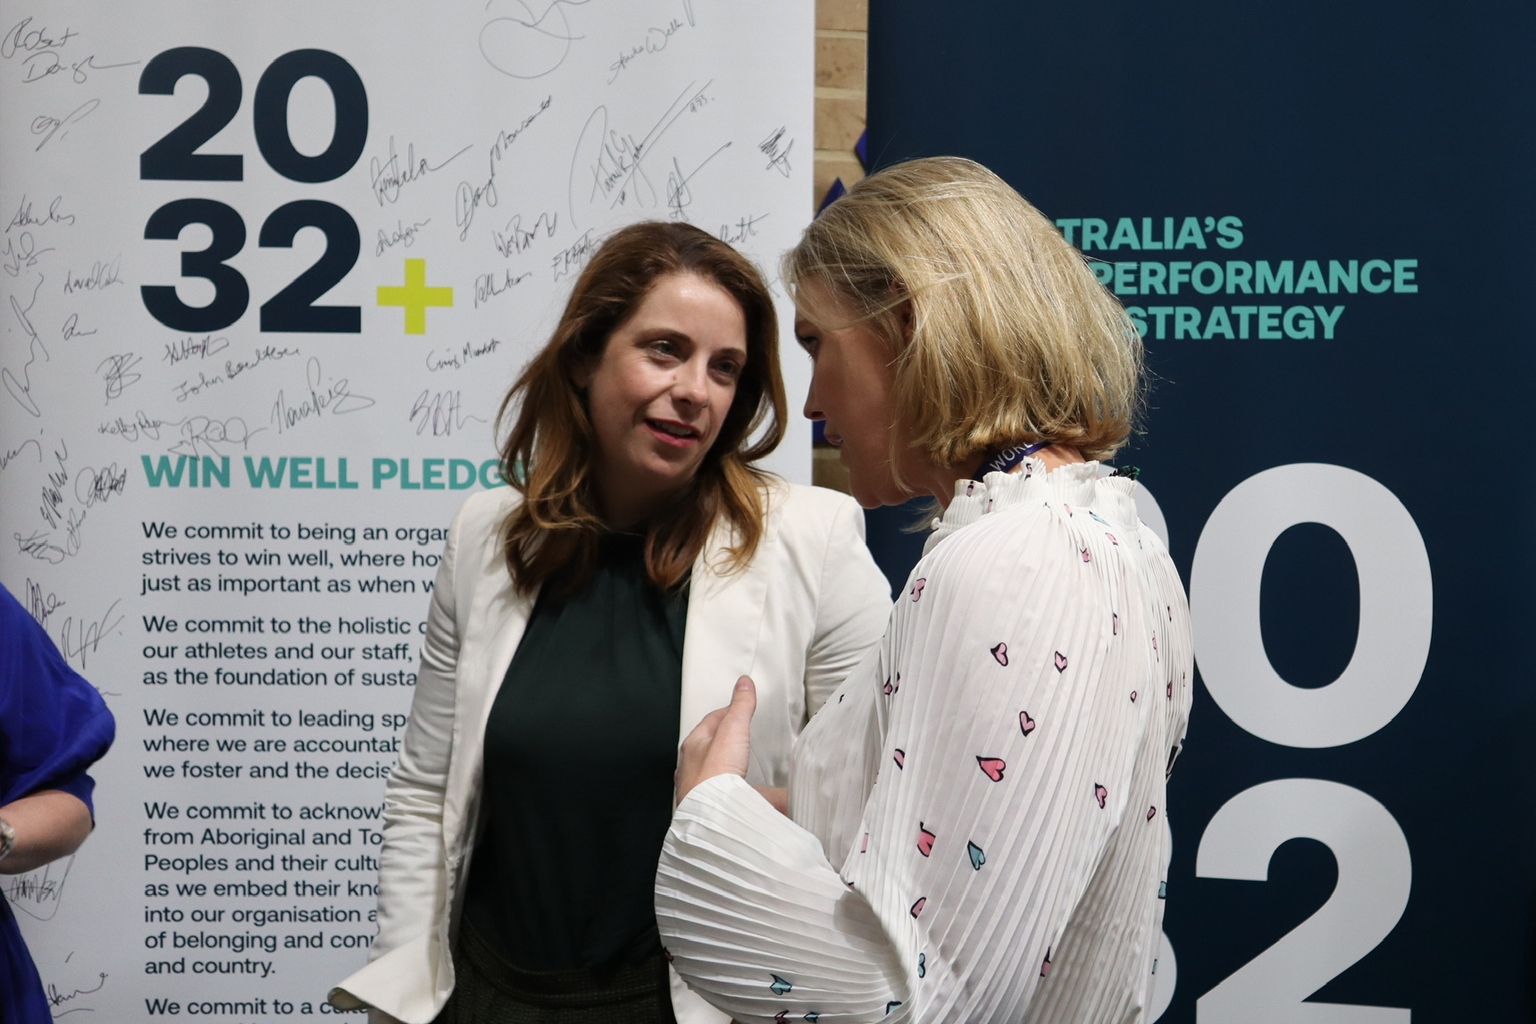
[(7, 838)]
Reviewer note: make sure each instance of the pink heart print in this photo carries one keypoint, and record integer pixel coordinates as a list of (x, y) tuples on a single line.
[(917, 908), (917, 588), (900, 757), (1114, 624), (1151, 813), (1000, 652), (1026, 724), (864, 847), (1084, 552), (1045, 967), (925, 840), (1133, 696), (1100, 794), (993, 767), (1112, 539), (1061, 662)]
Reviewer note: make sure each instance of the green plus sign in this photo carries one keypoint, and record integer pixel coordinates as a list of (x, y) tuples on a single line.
[(415, 296)]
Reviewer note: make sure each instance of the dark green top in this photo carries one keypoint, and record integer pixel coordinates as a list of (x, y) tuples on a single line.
[(579, 754)]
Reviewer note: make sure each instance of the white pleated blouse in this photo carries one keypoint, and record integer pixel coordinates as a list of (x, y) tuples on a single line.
[(978, 822)]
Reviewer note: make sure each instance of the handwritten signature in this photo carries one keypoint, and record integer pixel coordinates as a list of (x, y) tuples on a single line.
[(334, 397), (142, 424), (515, 238), (76, 640), (440, 412), (117, 372), (101, 275), (97, 485), (610, 165), (25, 218), (679, 195), (186, 348), (488, 286), (23, 39), (57, 998), (656, 40), (199, 433), (264, 354), (453, 359), (40, 605), (49, 127), (21, 253), (743, 229), (44, 546), (777, 151), (387, 177), (402, 235), (7, 457), (21, 390), (529, 46), (45, 63), (468, 196)]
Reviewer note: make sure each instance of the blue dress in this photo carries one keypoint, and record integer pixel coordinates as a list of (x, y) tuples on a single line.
[(53, 725)]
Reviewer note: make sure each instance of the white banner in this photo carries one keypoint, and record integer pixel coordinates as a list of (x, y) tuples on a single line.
[(268, 270)]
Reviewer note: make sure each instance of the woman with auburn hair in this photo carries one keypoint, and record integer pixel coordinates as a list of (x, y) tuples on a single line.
[(582, 621), (977, 819)]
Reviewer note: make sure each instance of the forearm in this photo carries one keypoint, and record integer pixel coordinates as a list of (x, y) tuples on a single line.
[(49, 825)]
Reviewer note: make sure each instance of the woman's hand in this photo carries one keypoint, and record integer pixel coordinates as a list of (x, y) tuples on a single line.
[(721, 744)]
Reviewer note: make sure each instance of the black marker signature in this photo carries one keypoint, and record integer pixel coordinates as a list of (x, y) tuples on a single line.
[(7, 457), (25, 218), (199, 433), (53, 490), (21, 254), (334, 397), (22, 390), (609, 165), (40, 605), (488, 286), (529, 46), (72, 328), (265, 354), (515, 238), (656, 40), (142, 425), (117, 372), (186, 348), (48, 127), (452, 359), (402, 235), (101, 275), (44, 63), (679, 195), (43, 547), (777, 151), (57, 998), (387, 177), (21, 39), (93, 486), (440, 412), (743, 229), (572, 258), (76, 641), (468, 197)]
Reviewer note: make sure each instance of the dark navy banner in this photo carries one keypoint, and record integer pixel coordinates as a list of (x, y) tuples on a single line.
[(1321, 217)]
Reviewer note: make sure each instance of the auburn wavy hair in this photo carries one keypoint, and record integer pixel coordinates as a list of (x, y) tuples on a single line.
[(553, 534)]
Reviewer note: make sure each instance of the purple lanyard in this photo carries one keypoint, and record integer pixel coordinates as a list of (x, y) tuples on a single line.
[(1003, 461)]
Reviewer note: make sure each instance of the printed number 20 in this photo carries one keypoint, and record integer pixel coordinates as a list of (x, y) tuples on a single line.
[(174, 158)]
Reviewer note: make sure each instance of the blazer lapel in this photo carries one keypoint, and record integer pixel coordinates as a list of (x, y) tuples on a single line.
[(721, 634)]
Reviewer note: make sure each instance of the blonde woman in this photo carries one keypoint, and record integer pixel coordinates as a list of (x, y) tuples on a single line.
[(977, 816), (582, 621)]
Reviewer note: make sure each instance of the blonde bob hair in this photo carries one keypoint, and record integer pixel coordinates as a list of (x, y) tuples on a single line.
[(1008, 338)]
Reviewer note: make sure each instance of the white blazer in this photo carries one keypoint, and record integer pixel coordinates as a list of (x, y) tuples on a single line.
[(797, 620)]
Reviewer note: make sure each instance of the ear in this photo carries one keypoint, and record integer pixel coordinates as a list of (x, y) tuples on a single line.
[(906, 316), (581, 374)]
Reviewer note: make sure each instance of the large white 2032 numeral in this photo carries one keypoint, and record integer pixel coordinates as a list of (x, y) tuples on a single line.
[(1391, 647), (1375, 875), (1396, 605)]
